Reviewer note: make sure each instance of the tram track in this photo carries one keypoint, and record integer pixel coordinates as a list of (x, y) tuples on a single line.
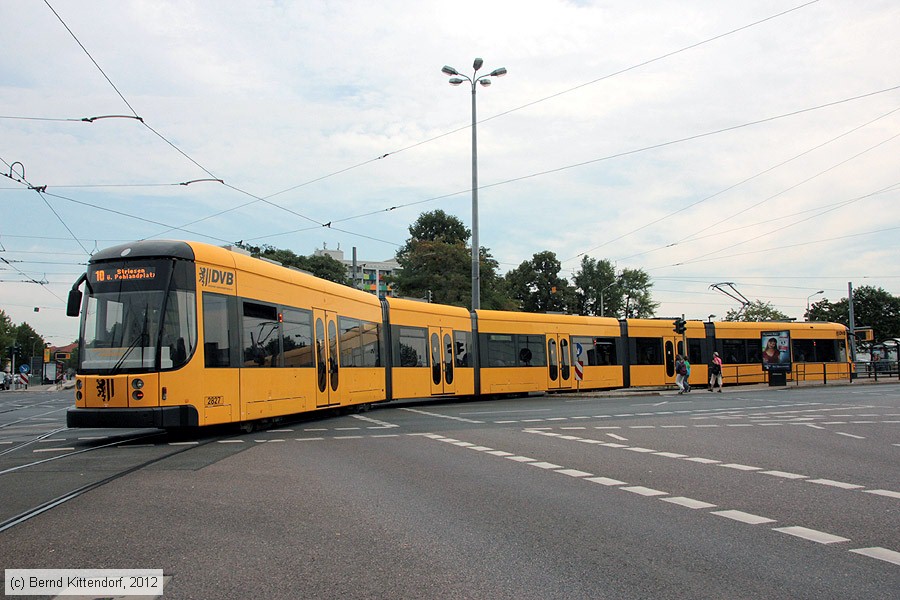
[(59, 499)]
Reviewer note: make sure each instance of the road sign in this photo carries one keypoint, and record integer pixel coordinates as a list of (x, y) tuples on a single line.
[(579, 370), (24, 368)]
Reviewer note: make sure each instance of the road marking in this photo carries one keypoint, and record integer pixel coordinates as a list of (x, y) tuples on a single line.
[(642, 450), (463, 444), (574, 473), (617, 437), (812, 535), (880, 553), (741, 467), (479, 448), (544, 465), (688, 502), (231, 441), (887, 493), (281, 431), (644, 491), (52, 449), (183, 443), (521, 458), (850, 435), (704, 461), (440, 416), (312, 439), (500, 453), (785, 475), (605, 481), (384, 424), (743, 517), (670, 454), (837, 484)]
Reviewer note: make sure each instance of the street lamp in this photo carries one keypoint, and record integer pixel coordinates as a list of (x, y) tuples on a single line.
[(602, 304), (807, 302), (484, 80)]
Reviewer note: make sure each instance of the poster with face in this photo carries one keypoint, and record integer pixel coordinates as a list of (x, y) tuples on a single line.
[(776, 350)]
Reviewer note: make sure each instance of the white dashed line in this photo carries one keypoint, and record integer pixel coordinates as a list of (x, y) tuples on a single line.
[(605, 481), (812, 535), (785, 475), (887, 493), (644, 491), (520, 458), (703, 461), (688, 502), (544, 465), (837, 484), (574, 473), (670, 454), (850, 435), (738, 467), (743, 517), (880, 553)]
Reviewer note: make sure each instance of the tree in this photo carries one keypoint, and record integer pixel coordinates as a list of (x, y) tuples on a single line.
[(756, 311), (7, 335), (436, 259), (537, 286), (872, 306), (638, 300), (322, 266), (596, 288)]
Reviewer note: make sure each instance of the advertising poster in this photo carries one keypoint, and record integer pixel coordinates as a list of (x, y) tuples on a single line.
[(776, 350)]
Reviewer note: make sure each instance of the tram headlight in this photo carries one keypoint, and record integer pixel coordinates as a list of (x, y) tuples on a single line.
[(78, 395), (137, 383), (78, 384), (137, 394)]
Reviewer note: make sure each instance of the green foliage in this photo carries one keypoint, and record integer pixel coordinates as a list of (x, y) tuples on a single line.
[(756, 311), (597, 289), (638, 299), (323, 266), (872, 307), (537, 286), (436, 258)]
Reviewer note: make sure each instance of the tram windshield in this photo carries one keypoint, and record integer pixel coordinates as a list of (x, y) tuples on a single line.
[(139, 316)]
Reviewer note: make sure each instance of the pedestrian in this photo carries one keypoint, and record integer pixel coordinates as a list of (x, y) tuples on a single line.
[(715, 372), (680, 373), (687, 374)]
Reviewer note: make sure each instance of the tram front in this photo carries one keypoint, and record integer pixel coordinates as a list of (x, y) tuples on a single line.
[(138, 328)]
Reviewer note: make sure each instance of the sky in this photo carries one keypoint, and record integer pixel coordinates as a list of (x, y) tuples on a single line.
[(704, 141)]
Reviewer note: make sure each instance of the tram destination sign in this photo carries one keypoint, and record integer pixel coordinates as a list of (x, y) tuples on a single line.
[(124, 274)]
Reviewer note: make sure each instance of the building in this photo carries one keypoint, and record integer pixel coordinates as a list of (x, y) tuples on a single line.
[(370, 275)]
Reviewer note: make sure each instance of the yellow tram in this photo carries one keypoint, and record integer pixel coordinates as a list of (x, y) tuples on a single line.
[(184, 334)]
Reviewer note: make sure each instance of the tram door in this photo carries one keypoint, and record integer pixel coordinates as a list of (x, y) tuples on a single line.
[(670, 345), (328, 372), (440, 342), (559, 362)]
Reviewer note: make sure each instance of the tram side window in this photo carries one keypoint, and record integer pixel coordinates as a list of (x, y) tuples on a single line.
[(814, 350), (220, 327), (298, 338), (499, 350), (734, 352), (695, 352), (360, 343), (649, 351), (463, 340), (262, 339), (531, 350), (411, 349), (598, 352)]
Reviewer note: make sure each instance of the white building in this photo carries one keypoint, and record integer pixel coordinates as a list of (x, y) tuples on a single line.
[(370, 274)]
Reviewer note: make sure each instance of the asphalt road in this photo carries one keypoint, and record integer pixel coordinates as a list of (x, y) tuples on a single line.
[(763, 493)]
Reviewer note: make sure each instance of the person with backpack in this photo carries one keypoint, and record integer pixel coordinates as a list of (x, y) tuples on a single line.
[(687, 374), (715, 372), (680, 374)]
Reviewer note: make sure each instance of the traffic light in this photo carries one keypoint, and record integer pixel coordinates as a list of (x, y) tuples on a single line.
[(680, 325)]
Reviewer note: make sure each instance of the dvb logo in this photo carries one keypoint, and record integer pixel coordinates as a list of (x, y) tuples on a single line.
[(209, 277)]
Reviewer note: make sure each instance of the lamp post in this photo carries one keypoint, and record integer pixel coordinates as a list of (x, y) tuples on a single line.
[(602, 304), (484, 80), (807, 302)]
